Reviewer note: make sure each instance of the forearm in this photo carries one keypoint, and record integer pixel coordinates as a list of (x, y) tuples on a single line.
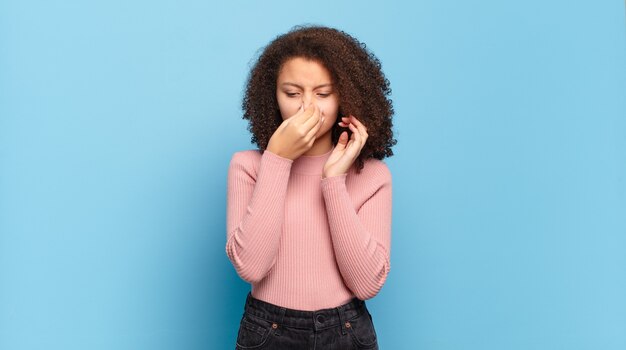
[(360, 240), (254, 225)]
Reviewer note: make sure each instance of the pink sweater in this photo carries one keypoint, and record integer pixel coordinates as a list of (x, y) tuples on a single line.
[(304, 242)]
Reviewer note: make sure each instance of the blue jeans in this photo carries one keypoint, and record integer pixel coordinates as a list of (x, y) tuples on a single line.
[(268, 326)]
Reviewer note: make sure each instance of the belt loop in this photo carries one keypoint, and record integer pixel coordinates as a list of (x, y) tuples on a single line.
[(246, 305), (280, 320), (342, 323), (249, 299)]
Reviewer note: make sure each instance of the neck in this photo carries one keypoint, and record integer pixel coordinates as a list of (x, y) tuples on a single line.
[(321, 146)]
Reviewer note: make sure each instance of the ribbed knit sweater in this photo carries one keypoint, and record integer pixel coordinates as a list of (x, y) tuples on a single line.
[(304, 242)]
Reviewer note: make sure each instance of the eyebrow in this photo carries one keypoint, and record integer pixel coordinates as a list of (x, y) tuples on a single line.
[(317, 87)]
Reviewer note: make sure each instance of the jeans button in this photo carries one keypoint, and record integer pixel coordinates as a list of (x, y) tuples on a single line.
[(320, 318)]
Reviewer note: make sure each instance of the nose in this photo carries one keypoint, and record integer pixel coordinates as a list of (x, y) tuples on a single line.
[(307, 99)]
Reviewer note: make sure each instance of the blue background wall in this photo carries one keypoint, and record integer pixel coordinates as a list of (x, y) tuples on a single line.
[(118, 120)]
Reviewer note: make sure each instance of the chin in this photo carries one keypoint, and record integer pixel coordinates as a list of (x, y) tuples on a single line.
[(323, 133)]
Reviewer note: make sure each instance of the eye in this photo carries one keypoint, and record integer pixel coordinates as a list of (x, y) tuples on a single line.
[(291, 94), (323, 95)]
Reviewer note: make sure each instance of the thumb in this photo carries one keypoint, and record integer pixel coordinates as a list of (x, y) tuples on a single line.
[(343, 140)]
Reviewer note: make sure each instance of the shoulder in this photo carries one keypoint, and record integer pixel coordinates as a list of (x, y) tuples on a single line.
[(247, 155), (246, 159), (376, 169), (375, 173)]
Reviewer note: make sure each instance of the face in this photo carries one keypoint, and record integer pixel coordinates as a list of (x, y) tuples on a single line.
[(302, 80)]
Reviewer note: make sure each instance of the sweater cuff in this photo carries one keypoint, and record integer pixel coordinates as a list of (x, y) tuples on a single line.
[(275, 161), (334, 182)]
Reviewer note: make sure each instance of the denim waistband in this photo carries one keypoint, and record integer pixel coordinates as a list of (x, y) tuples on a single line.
[(319, 319)]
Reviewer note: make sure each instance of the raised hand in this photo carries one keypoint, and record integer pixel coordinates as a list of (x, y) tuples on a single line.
[(346, 152), (296, 134)]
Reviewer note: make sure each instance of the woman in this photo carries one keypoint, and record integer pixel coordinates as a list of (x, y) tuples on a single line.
[(309, 212)]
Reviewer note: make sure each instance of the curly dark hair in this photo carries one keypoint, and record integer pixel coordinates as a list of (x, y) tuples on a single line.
[(362, 87)]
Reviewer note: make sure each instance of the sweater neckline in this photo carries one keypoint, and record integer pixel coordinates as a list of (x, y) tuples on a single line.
[(311, 165)]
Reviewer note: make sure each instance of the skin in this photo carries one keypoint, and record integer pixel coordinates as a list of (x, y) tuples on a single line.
[(309, 106)]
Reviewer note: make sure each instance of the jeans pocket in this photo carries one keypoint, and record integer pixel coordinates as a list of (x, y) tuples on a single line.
[(362, 331), (254, 332)]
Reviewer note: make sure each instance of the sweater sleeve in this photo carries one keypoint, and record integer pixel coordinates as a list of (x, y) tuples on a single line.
[(255, 213), (361, 239)]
